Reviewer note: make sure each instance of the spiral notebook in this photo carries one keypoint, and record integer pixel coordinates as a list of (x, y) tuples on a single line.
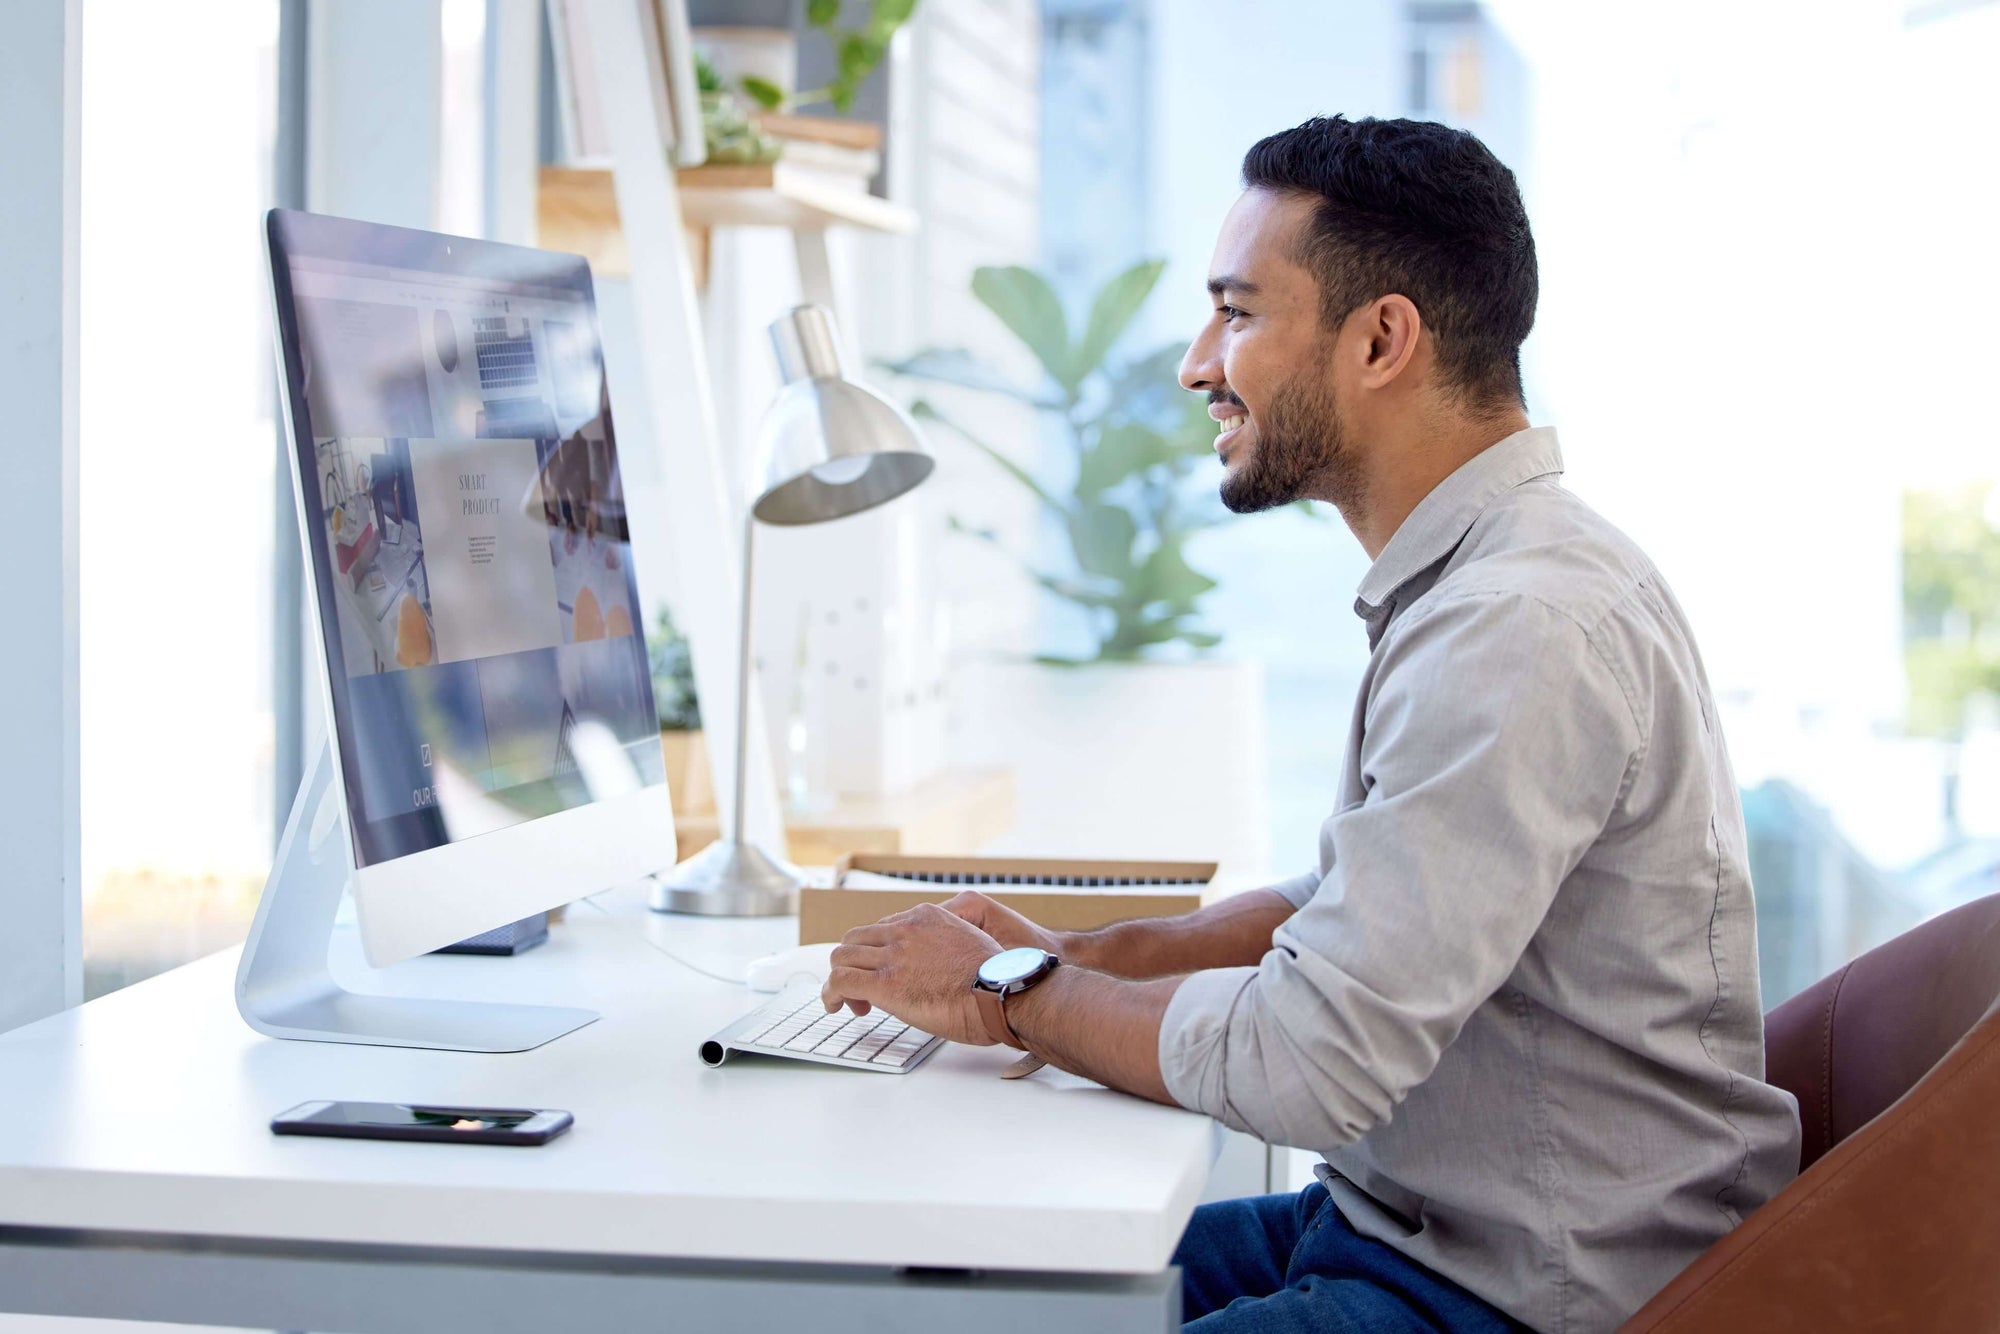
[(1064, 894)]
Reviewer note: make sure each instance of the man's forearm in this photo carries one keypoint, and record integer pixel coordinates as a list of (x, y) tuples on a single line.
[(1104, 1028), (1232, 933)]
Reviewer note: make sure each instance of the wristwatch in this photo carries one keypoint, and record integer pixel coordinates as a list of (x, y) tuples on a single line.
[(1008, 973)]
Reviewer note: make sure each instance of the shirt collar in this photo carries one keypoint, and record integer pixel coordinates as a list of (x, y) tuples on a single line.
[(1442, 518)]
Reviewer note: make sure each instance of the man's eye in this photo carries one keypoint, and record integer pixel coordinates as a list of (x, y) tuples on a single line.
[(1228, 313)]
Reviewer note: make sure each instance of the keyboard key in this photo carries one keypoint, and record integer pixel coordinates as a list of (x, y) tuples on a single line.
[(900, 1051), (778, 1034), (850, 1034), (787, 1017), (815, 1035), (866, 1049)]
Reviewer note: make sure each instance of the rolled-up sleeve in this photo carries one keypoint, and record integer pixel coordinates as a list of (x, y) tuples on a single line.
[(1496, 743), (1299, 889)]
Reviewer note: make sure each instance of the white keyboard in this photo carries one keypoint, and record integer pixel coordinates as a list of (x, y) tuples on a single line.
[(797, 1025)]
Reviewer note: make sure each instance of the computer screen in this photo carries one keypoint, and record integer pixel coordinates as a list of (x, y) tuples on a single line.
[(460, 485)]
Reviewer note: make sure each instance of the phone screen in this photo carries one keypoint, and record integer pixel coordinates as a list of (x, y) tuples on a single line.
[(405, 1114)]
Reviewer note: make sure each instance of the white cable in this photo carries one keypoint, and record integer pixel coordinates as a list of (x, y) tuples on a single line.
[(736, 981)]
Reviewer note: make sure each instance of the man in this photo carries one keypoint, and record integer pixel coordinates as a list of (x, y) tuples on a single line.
[(1515, 1006)]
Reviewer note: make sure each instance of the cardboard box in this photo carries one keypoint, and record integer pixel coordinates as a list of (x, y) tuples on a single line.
[(1063, 894)]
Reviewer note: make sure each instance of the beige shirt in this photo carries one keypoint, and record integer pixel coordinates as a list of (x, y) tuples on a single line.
[(1517, 1009)]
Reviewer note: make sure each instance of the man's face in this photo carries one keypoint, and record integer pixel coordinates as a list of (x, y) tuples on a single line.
[(1265, 361)]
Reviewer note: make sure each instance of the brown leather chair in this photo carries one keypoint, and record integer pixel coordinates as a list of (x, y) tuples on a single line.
[(1894, 1221)]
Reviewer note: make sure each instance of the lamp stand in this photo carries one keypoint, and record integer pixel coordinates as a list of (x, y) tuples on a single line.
[(731, 878)]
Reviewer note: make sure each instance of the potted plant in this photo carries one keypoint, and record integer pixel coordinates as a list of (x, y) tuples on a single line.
[(751, 48), (1145, 743)]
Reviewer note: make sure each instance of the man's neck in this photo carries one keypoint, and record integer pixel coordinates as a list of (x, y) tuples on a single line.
[(1408, 470)]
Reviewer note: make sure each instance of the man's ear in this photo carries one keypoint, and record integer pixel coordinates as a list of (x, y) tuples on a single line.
[(1393, 329)]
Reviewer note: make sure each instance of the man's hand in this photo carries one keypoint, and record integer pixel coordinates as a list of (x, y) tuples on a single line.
[(997, 920), (918, 965)]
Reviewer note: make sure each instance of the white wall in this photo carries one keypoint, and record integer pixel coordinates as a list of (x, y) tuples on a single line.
[(40, 897), (372, 133)]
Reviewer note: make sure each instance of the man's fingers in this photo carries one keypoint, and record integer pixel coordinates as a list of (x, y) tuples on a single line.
[(969, 904), (875, 933), (831, 1002), (858, 956), (852, 987)]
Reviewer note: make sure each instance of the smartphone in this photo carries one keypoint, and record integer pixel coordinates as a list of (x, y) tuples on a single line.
[(401, 1120)]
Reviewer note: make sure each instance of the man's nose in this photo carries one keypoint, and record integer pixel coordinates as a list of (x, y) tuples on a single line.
[(1201, 368)]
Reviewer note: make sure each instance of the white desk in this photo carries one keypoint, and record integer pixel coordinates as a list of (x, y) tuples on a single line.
[(139, 1179)]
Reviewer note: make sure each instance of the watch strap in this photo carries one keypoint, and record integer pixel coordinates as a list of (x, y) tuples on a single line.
[(993, 1013)]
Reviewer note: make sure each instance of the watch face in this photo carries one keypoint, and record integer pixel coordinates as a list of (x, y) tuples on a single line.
[(1011, 966)]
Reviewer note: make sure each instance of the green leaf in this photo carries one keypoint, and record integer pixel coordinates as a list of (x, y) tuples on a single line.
[(705, 78), (1167, 577), (1074, 591), (1123, 450), (955, 365), (856, 55), (923, 411), (1117, 303), (1149, 388), (1103, 537), (822, 13), (763, 92), (888, 15), (1029, 308)]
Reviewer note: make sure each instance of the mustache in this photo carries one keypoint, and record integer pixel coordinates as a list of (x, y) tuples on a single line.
[(1223, 396)]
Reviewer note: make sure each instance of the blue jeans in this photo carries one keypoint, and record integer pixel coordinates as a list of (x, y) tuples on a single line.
[(1279, 1264)]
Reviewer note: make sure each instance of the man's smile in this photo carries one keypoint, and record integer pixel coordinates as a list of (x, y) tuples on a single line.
[(1230, 418)]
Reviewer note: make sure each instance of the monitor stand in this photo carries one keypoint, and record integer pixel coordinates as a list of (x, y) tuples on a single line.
[(285, 987)]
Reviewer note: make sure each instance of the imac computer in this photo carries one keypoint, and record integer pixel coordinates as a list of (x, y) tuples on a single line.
[(493, 749)]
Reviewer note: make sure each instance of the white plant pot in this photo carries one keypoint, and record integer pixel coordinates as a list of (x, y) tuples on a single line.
[(1152, 760)]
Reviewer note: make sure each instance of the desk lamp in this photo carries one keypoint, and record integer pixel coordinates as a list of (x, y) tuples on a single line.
[(828, 447)]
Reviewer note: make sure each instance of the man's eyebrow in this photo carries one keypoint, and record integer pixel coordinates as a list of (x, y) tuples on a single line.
[(1229, 282)]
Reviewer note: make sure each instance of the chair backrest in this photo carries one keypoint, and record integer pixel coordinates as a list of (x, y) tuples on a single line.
[(1895, 1061), (1855, 1041)]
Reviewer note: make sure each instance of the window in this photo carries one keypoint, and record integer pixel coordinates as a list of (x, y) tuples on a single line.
[(177, 450), (1767, 262)]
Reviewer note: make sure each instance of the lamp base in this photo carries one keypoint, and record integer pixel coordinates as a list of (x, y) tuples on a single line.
[(728, 879)]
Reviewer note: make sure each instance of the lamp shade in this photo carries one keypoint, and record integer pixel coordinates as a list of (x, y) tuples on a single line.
[(829, 446)]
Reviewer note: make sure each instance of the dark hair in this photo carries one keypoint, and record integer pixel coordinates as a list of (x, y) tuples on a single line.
[(1423, 210)]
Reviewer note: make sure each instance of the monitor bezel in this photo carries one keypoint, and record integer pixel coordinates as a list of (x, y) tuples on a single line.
[(507, 873)]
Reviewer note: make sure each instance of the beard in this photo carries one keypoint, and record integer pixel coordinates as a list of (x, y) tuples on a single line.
[(1302, 451)]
